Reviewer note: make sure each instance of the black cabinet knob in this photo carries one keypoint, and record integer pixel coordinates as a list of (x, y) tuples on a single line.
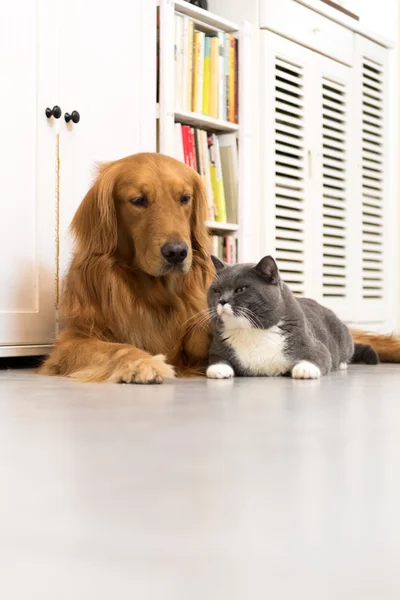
[(53, 112), (75, 117)]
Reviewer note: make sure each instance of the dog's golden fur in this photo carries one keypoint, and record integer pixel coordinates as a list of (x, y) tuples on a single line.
[(386, 346), (125, 317)]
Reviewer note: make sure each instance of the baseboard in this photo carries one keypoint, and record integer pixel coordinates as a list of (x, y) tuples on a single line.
[(6, 351)]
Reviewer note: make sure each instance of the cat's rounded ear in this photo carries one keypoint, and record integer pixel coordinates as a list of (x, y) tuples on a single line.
[(268, 269), (218, 264)]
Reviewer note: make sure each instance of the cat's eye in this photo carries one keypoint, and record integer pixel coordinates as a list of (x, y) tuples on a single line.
[(185, 199), (140, 202), (239, 290), (217, 291)]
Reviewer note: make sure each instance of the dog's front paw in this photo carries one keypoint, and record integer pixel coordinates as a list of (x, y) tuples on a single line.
[(305, 370), (147, 370), (220, 371)]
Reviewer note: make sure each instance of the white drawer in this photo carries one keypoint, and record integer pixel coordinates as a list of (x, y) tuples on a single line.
[(307, 27)]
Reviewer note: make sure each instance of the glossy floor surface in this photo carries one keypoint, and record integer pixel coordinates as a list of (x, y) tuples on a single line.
[(201, 490)]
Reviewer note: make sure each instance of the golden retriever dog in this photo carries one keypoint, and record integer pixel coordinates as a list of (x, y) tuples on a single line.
[(134, 302), (135, 298)]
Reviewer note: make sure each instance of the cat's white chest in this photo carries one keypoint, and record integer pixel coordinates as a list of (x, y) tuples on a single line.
[(260, 351)]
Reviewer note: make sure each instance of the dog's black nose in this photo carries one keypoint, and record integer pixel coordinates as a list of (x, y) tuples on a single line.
[(174, 252)]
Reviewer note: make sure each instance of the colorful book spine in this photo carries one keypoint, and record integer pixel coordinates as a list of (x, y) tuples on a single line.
[(178, 59), (196, 52), (236, 84), (207, 174), (231, 116), (214, 77), (185, 63), (198, 96), (227, 45), (189, 89), (221, 75), (193, 155), (217, 181), (185, 142), (207, 76)]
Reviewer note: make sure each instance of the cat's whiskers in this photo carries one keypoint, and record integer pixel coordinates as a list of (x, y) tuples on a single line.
[(251, 317), (203, 320)]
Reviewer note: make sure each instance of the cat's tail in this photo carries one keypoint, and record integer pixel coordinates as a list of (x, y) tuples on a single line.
[(387, 347), (363, 353)]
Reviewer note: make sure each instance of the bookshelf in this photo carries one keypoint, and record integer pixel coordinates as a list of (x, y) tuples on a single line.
[(169, 113)]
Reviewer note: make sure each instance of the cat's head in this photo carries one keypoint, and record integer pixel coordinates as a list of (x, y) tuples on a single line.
[(244, 295)]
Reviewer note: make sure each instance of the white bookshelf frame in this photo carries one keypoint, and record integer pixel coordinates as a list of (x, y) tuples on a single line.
[(168, 115)]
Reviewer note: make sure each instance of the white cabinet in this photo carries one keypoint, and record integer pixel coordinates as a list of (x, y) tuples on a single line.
[(90, 57), (107, 73), (27, 174), (322, 162)]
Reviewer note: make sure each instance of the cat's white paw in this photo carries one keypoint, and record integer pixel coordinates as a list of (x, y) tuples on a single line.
[(343, 366), (220, 371), (306, 370)]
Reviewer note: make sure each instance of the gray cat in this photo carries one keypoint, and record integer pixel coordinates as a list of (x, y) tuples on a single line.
[(261, 328)]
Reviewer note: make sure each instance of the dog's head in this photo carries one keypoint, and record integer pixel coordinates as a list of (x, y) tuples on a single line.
[(147, 209)]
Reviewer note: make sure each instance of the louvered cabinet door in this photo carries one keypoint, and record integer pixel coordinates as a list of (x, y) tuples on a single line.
[(286, 133), (334, 208), (371, 131)]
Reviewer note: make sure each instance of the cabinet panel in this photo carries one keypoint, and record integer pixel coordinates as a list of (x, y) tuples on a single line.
[(307, 27), (27, 163), (111, 83), (337, 208), (371, 131), (286, 142), (323, 159)]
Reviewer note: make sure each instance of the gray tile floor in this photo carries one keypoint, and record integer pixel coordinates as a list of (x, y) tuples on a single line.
[(203, 490)]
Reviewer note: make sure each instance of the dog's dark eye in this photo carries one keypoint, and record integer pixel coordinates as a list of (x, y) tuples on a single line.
[(141, 201), (185, 199), (239, 290)]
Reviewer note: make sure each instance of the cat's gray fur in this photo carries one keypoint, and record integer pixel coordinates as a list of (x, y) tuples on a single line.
[(305, 330)]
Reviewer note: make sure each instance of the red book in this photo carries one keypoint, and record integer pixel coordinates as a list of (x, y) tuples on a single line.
[(185, 141), (191, 149)]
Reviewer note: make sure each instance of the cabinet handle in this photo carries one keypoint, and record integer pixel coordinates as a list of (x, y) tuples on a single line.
[(75, 117), (53, 112)]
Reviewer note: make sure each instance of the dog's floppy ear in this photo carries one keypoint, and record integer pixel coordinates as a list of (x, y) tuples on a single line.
[(200, 237), (95, 222)]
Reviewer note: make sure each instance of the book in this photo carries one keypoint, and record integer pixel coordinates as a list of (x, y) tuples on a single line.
[(198, 71), (199, 157), (231, 116), (183, 92), (236, 84), (214, 76), (230, 174), (227, 45), (217, 180), (185, 142), (221, 76), (206, 76), (192, 150), (189, 89), (207, 174), (215, 247), (179, 50)]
